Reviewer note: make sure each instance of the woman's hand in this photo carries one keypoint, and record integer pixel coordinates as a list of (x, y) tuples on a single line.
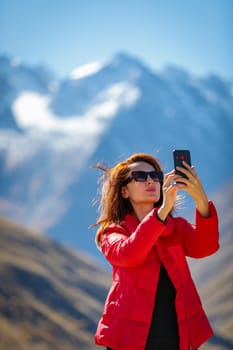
[(169, 195), (193, 186)]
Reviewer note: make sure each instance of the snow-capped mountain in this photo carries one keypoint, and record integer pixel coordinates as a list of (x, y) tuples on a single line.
[(16, 77), (52, 131)]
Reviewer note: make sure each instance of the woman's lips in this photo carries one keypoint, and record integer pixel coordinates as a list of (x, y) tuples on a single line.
[(150, 190)]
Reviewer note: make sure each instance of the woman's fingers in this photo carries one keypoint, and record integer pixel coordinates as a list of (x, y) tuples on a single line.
[(167, 175), (168, 180), (189, 172)]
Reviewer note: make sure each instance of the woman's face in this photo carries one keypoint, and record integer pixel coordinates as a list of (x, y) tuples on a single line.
[(142, 193)]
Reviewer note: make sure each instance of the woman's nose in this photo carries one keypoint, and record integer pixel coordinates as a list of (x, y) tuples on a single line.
[(149, 179)]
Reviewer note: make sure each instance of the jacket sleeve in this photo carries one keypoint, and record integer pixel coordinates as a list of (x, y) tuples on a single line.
[(120, 249), (202, 239)]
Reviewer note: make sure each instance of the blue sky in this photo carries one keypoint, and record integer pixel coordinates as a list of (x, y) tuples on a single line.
[(63, 34)]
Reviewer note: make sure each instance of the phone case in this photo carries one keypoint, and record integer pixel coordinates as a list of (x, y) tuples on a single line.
[(179, 156)]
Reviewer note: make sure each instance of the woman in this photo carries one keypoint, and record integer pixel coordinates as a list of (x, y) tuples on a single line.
[(153, 303)]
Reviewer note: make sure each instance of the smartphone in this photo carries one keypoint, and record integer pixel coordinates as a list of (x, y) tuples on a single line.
[(178, 157)]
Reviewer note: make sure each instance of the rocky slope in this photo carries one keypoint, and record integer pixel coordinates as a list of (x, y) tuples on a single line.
[(50, 296)]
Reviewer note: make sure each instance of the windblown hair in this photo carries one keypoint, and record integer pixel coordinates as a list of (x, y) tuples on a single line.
[(113, 207)]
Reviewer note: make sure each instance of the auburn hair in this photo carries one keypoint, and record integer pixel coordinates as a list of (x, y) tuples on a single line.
[(112, 206)]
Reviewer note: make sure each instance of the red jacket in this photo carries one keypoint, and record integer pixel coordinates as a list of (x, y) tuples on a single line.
[(135, 250)]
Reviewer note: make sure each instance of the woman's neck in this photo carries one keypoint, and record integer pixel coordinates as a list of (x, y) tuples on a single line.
[(141, 211)]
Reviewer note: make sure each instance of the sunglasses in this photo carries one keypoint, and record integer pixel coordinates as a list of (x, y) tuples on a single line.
[(142, 176)]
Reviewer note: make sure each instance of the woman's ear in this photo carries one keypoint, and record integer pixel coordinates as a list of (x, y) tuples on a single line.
[(124, 192)]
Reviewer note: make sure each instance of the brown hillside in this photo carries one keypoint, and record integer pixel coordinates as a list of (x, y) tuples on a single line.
[(50, 296)]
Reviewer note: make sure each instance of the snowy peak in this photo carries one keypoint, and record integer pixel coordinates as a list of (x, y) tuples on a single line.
[(15, 79), (126, 63), (19, 77), (102, 89), (74, 96)]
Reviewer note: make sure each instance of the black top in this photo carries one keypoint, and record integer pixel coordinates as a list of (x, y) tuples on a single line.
[(164, 327)]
